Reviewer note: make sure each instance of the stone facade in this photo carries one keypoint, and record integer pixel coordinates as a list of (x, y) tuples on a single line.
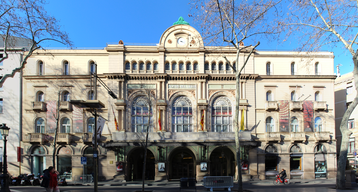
[(192, 93)]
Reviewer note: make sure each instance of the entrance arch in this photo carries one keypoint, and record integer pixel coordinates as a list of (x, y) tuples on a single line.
[(38, 160), (135, 165), (222, 162), (182, 164)]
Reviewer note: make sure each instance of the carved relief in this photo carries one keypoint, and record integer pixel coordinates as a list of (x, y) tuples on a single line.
[(130, 92), (171, 92), (170, 41), (192, 92), (211, 92)]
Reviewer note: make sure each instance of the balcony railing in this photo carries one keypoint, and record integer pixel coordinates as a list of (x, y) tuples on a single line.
[(298, 136), (271, 105), (87, 137), (65, 106), (296, 105), (320, 105), (35, 138), (38, 106), (64, 138), (322, 136), (273, 136)]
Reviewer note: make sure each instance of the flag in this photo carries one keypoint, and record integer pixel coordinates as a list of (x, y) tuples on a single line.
[(115, 120), (242, 127), (202, 121), (160, 122)]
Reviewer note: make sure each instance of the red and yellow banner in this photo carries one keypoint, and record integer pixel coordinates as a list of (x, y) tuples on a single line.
[(115, 120), (160, 122), (202, 121)]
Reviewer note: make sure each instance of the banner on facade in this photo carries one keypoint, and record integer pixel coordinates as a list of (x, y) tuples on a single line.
[(51, 116), (100, 125), (115, 120), (284, 115), (202, 121), (77, 116), (160, 122), (308, 116), (242, 123)]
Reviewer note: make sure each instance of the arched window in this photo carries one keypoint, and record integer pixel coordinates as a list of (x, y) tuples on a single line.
[(182, 115), (141, 66), (188, 66), (40, 96), (65, 125), (167, 66), (174, 66), (268, 69), (270, 124), (128, 66), (66, 68), (206, 66), (269, 96), (318, 124), (196, 67), (149, 66), (40, 68), (317, 96), (90, 125), (90, 95), (40, 125), (92, 67), (271, 149), (141, 115), (213, 66), (134, 66), (294, 124), (320, 149), (156, 66), (293, 68), (221, 66), (295, 149), (181, 66), (65, 96), (293, 96), (228, 68), (317, 69), (222, 115)]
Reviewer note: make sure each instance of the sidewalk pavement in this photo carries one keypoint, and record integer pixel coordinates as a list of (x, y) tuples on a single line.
[(200, 183)]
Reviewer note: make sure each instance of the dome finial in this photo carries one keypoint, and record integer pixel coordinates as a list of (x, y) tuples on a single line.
[(181, 21)]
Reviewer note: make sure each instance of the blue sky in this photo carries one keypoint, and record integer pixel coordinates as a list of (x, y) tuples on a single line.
[(93, 24)]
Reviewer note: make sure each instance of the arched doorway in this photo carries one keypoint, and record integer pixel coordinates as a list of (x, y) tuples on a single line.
[(89, 167), (135, 165), (222, 162), (182, 164), (38, 160), (64, 162)]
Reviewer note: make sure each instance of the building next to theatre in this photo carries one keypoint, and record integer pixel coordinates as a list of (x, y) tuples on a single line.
[(287, 101), (345, 93)]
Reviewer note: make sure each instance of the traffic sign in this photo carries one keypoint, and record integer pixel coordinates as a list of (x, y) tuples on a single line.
[(84, 160)]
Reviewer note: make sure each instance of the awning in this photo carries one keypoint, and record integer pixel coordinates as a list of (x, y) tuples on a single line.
[(319, 157)]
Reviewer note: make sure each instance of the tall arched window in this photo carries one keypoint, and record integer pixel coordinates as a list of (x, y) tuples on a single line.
[(92, 67), (90, 95), (65, 125), (40, 68), (128, 65), (317, 68), (141, 115), (155, 66), (269, 96), (228, 68), (40, 125), (65, 96), (206, 66), (167, 66), (188, 66), (174, 66), (270, 124), (66, 68), (221, 66), (40, 96), (317, 96), (213, 66), (90, 125), (196, 67), (181, 66), (134, 66), (293, 68), (141, 66), (182, 115), (149, 66), (294, 124), (222, 115), (293, 96), (318, 124), (268, 69)]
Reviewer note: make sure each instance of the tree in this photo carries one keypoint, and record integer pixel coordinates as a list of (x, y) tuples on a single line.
[(326, 24), (232, 22), (29, 20)]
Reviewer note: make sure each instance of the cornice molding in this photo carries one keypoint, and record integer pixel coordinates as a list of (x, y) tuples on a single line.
[(297, 77)]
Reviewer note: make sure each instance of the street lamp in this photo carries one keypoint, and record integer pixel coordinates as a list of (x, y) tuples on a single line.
[(4, 130)]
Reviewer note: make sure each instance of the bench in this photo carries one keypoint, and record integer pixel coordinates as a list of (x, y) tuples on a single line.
[(212, 182)]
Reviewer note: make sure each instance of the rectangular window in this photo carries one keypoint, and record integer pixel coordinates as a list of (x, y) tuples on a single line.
[(351, 124), (1, 56), (351, 145), (271, 163), (295, 163), (1, 105), (349, 90)]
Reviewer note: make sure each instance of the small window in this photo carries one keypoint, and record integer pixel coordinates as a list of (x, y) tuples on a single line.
[(351, 124), (181, 66), (293, 96), (268, 69), (270, 125), (317, 69), (269, 96), (40, 96), (128, 66), (317, 96), (318, 124), (221, 66), (90, 125), (90, 95), (156, 66), (206, 66), (228, 68), (293, 69), (1, 105), (134, 66), (92, 67), (66, 96), (40, 126), (40, 68), (188, 67), (174, 66), (141, 66), (149, 66), (66, 68), (65, 125), (167, 66), (213, 66)]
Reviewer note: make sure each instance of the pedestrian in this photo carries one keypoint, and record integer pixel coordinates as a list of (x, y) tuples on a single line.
[(50, 180)]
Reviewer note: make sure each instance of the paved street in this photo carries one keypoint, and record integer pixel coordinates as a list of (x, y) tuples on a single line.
[(257, 187)]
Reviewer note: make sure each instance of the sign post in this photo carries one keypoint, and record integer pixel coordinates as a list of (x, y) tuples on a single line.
[(83, 162)]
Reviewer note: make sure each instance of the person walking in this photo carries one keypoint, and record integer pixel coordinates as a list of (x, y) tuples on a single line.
[(50, 180)]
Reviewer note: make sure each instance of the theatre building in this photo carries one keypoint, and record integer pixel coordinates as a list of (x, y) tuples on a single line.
[(183, 92)]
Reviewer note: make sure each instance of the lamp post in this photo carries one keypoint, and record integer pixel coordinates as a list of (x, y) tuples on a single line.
[(4, 130)]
